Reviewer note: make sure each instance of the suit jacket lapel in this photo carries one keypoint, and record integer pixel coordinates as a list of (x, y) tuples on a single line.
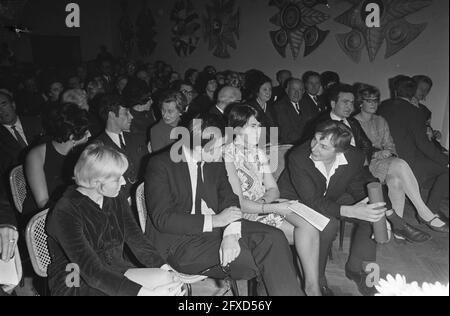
[(8, 139), (337, 176)]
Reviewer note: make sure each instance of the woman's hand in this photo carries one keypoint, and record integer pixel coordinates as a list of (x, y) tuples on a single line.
[(8, 243), (281, 208)]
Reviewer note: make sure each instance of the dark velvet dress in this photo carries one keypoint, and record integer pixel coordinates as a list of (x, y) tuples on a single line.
[(94, 239)]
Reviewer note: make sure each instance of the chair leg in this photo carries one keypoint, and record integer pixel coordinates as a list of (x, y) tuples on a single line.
[(189, 290), (341, 235), (234, 288)]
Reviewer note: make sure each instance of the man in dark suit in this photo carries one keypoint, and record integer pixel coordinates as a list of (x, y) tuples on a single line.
[(328, 176), (197, 222), (312, 100), (428, 163), (117, 117), (227, 96), (279, 92), (17, 134), (291, 117)]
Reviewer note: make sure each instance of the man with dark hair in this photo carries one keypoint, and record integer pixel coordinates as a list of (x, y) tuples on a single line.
[(312, 97), (327, 174), (197, 223), (279, 92), (428, 163), (117, 117)]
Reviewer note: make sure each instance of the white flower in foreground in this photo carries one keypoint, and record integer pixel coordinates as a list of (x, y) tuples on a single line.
[(400, 287)]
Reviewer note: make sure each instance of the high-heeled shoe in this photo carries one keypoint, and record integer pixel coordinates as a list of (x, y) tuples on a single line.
[(443, 229)]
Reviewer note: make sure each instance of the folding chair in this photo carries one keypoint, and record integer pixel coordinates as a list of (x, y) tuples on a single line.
[(18, 186), (142, 214)]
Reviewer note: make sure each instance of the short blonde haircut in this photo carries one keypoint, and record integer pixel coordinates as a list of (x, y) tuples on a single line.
[(99, 162)]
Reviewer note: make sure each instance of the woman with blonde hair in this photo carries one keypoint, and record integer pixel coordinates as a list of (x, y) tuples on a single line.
[(89, 228)]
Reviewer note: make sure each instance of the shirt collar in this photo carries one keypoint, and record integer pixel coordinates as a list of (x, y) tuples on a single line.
[(334, 117), (18, 125), (340, 161), (220, 110)]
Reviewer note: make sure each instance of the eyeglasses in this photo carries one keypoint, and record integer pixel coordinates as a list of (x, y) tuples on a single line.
[(373, 101)]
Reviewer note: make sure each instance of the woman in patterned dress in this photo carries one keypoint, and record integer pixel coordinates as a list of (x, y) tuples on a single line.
[(385, 164), (252, 180)]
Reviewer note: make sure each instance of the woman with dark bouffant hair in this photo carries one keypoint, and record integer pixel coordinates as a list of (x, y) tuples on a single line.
[(48, 167)]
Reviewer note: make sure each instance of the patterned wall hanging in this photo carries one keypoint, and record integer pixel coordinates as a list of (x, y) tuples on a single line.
[(145, 32), (221, 27), (185, 36), (298, 20), (395, 29), (126, 31)]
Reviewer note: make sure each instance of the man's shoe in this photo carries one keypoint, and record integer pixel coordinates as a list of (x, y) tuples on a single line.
[(411, 234), (360, 278), (326, 291)]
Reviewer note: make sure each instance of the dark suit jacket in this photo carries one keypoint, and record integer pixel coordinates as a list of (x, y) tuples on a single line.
[(267, 117), (309, 106), (169, 200), (291, 124), (363, 142), (302, 181), (7, 213), (409, 133), (32, 128), (223, 117), (135, 152)]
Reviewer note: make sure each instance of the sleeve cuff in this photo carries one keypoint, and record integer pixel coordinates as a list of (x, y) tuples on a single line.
[(233, 229), (208, 225)]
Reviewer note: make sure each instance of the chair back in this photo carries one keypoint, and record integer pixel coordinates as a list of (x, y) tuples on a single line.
[(141, 206), (281, 150), (36, 239), (18, 186)]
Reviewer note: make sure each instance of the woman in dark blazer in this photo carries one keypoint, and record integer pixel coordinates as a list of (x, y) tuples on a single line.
[(88, 229)]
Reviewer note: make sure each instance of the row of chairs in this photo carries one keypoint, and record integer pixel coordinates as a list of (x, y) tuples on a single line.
[(36, 237)]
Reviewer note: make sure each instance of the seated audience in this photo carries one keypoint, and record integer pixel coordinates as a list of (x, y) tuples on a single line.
[(327, 175), (279, 92), (173, 106), (117, 117), (226, 97), (385, 165), (49, 167), (252, 181), (89, 228), (428, 163), (198, 227), (312, 99)]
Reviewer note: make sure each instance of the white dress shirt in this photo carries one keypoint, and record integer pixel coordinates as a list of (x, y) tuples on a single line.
[(340, 161), (296, 107), (19, 129), (233, 228), (334, 117), (116, 138)]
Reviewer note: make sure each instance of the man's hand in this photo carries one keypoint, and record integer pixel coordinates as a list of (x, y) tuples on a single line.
[(229, 250), (384, 154), (8, 242), (365, 212), (228, 216)]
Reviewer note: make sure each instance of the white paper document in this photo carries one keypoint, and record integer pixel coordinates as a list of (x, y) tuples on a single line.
[(8, 273), (314, 218)]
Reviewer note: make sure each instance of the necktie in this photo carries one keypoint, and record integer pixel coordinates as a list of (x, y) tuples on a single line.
[(19, 138), (122, 142), (316, 100), (200, 190), (297, 108)]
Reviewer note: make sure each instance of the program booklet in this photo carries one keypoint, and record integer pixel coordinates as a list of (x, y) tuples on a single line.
[(314, 218)]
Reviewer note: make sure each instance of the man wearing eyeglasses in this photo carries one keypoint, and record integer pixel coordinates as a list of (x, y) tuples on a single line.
[(197, 222)]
